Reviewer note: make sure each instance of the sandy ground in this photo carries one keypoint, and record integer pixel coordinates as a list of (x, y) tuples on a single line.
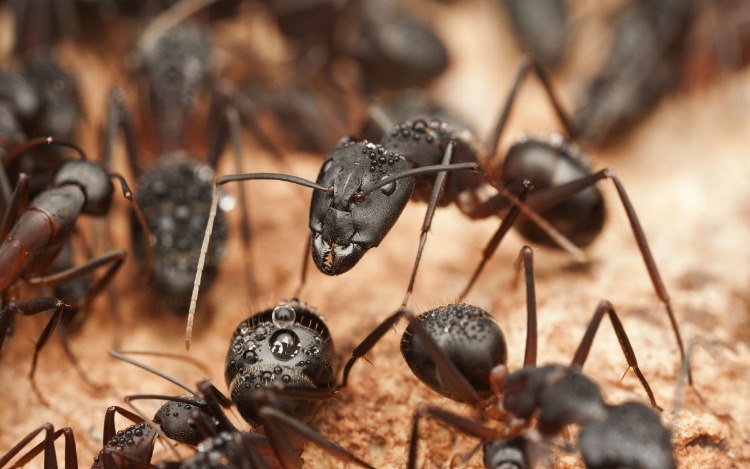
[(685, 170)]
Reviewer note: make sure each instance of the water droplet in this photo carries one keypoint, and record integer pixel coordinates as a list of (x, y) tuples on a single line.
[(285, 344), (283, 316), (250, 357)]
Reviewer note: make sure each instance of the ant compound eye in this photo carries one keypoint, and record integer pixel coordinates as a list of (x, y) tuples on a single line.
[(389, 188), (283, 316), (326, 166), (359, 197)]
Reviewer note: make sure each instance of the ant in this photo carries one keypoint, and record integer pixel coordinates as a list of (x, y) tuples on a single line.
[(363, 187), (460, 352), (34, 237), (268, 405), (40, 97), (174, 193), (197, 420)]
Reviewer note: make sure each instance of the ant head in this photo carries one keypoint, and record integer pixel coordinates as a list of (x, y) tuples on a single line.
[(468, 336), (137, 441), (349, 220), (176, 420), (286, 346)]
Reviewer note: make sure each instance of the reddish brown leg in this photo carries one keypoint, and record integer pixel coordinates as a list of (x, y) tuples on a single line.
[(605, 307), (48, 446), (464, 425), (555, 195), (279, 426), (494, 242)]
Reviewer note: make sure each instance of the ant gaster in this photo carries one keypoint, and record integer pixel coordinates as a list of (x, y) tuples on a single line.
[(363, 187)]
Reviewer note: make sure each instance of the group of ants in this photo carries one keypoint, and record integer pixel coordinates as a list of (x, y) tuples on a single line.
[(280, 367)]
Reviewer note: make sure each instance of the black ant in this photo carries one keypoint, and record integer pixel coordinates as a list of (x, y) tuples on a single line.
[(34, 236), (362, 189), (271, 394), (460, 352), (39, 97), (197, 420), (175, 192)]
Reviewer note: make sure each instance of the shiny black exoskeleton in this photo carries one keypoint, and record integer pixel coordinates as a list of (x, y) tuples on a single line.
[(288, 346), (467, 335), (345, 225)]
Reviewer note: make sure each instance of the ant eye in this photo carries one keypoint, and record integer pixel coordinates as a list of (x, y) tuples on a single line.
[(359, 197), (389, 188), (326, 166)]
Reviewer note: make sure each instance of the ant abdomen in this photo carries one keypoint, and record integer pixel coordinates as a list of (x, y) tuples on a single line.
[(288, 346), (468, 336), (549, 164), (175, 196)]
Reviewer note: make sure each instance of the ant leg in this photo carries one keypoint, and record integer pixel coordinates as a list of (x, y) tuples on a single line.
[(30, 308), (118, 118), (527, 257), (112, 259), (494, 242), (437, 190), (555, 195), (278, 425), (369, 342), (48, 446), (17, 204), (233, 121), (465, 425), (109, 431), (583, 349), (305, 263), (529, 64)]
